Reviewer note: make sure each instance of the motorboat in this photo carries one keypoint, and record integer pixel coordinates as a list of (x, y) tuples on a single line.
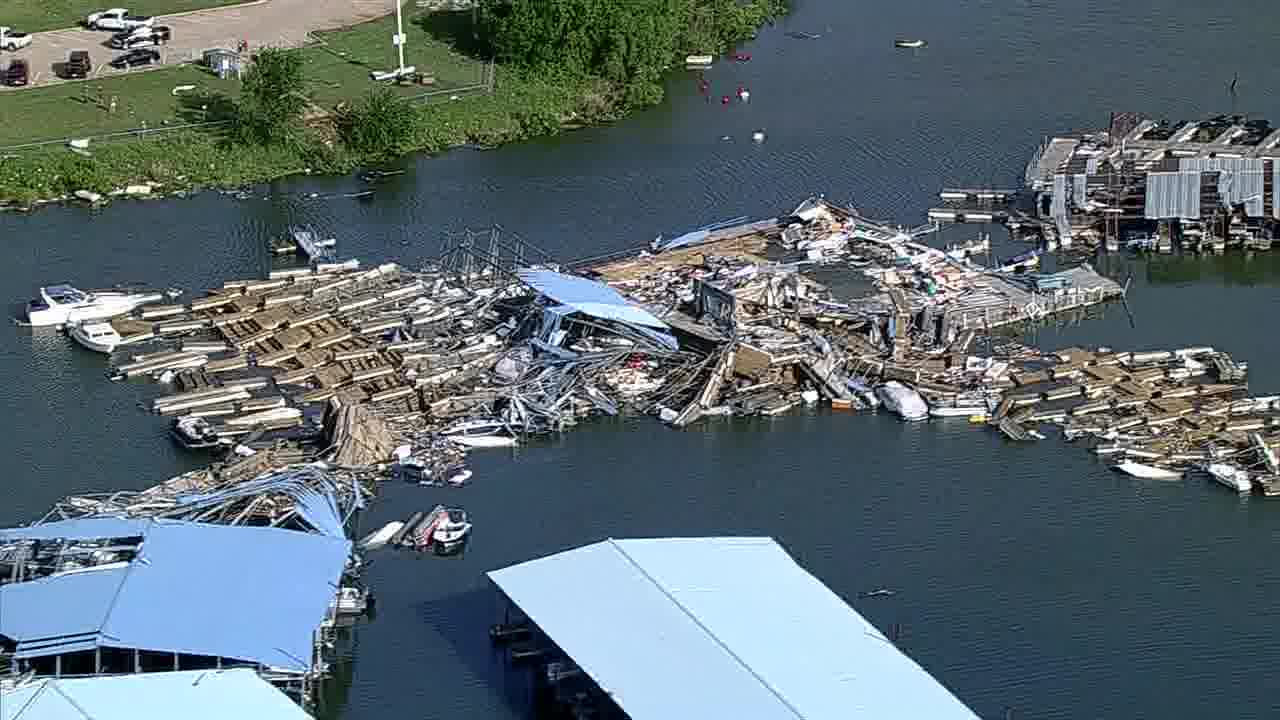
[(909, 44), (444, 531), (66, 305), (902, 400), (482, 433), (195, 433), (1147, 472), (96, 335), (1230, 476)]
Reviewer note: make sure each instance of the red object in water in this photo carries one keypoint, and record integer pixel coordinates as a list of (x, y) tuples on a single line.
[(724, 100)]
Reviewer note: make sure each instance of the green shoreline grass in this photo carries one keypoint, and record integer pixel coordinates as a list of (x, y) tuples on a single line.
[(40, 15), (523, 105)]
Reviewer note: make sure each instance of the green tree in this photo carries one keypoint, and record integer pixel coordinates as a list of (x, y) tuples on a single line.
[(272, 99), (380, 124)]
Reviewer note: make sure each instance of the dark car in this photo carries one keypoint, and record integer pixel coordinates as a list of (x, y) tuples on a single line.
[(78, 65), (140, 37), (18, 73), (134, 58)]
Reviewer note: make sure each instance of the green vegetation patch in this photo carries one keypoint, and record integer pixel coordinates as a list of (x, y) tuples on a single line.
[(78, 109), (338, 68)]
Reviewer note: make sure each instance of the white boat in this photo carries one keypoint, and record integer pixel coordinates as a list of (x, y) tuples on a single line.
[(902, 400), (910, 44), (451, 530), (1149, 472), (1230, 476), (96, 335), (195, 433), (481, 434), (350, 601), (65, 305)]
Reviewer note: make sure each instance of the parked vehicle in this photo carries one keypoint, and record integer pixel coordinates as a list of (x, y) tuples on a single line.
[(12, 40), (140, 37), (18, 73), (117, 19), (135, 58), (78, 65)]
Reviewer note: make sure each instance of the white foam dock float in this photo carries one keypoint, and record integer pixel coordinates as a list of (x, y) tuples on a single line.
[(251, 383), (173, 328), (158, 311), (223, 397), (210, 302), (344, 266), (289, 273)]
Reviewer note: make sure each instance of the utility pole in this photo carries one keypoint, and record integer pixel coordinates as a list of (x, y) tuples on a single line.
[(398, 40)]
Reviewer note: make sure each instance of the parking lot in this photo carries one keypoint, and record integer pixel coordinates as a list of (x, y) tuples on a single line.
[(279, 23)]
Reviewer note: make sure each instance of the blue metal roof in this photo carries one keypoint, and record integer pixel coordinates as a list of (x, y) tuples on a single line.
[(590, 297), (80, 529), (719, 627), (247, 593), (190, 695)]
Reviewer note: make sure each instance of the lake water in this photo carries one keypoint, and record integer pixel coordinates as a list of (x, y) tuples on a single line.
[(1028, 576)]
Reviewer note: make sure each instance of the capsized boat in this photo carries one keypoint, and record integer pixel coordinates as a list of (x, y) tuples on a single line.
[(1230, 476), (482, 433), (902, 400), (1148, 472), (96, 335), (66, 305)]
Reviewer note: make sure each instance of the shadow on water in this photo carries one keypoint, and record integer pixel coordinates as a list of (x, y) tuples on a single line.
[(463, 617), (1234, 267)]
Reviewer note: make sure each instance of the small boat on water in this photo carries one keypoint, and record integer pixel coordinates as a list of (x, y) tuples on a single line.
[(1230, 476), (67, 305), (902, 400), (482, 433), (195, 433), (445, 530), (96, 335), (699, 61), (909, 44), (1147, 472)]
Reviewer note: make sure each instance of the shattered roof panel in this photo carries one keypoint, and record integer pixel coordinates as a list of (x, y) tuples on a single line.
[(590, 297), (248, 593), (191, 695)]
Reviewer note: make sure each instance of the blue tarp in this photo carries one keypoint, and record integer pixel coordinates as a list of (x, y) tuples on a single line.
[(245, 593), (719, 628), (590, 297), (237, 694)]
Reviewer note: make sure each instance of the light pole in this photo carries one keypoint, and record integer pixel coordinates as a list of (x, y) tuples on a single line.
[(398, 41)]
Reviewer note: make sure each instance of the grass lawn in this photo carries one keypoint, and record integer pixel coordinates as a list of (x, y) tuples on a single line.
[(35, 15), (338, 69), (74, 109)]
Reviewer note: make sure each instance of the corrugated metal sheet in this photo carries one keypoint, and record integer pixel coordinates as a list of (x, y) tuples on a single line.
[(1240, 180), (91, 528), (1173, 195), (248, 593), (1275, 189), (590, 297), (1062, 192), (1079, 186), (190, 695), (719, 628)]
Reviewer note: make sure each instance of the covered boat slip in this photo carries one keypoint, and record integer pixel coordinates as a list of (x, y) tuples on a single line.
[(719, 628), (190, 695), (252, 595)]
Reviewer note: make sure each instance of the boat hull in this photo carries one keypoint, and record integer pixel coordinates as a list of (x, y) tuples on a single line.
[(105, 345), (1147, 472), (484, 441), (100, 308)]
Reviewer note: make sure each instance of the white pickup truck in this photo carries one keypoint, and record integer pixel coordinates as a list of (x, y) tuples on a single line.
[(117, 19), (10, 40)]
